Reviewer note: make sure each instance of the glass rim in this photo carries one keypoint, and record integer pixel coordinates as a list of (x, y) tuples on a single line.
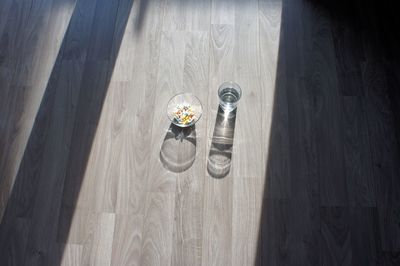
[(230, 84)]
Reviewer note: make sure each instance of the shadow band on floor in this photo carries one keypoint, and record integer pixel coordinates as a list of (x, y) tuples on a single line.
[(39, 212)]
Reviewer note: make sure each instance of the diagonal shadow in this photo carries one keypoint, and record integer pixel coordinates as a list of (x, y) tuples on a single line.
[(329, 196), (24, 38), (54, 162)]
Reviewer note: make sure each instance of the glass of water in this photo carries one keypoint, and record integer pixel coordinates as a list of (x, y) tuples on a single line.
[(229, 94)]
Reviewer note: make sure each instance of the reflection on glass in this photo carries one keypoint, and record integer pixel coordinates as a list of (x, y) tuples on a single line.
[(219, 158)]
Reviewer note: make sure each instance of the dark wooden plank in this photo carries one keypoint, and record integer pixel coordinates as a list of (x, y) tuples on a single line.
[(4, 11), (361, 185), (348, 49), (385, 153), (335, 236), (389, 259), (322, 91), (365, 236), (393, 81), (76, 40), (274, 233), (13, 242), (278, 172), (102, 34)]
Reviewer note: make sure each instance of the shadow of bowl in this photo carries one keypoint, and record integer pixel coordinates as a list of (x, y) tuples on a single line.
[(178, 150)]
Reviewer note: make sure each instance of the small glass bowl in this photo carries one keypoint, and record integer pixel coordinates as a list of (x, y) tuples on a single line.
[(183, 99)]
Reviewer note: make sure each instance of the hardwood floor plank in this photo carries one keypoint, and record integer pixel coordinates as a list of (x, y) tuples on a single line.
[(72, 255), (222, 12), (385, 153), (127, 241), (65, 255), (295, 214), (103, 29), (76, 40), (217, 204), (169, 83), (302, 106), (91, 171), (188, 228), (274, 235), (348, 55), (217, 221), (157, 230), (323, 87), (389, 258), (361, 185), (132, 91), (99, 251), (336, 236), (4, 10), (75, 225), (26, 99), (181, 51), (246, 59), (365, 238), (51, 176), (187, 15), (275, 127), (14, 241), (188, 225), (247, 199)]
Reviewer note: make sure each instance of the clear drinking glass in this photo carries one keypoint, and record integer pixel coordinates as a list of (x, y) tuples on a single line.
[(229, 94)]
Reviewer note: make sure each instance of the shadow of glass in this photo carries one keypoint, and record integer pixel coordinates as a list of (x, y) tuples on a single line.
[(178, 150), (219, 158)]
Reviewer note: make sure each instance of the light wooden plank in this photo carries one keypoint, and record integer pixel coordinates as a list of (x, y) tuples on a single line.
[(186, 54), (72, 255), (127, 241), (247, 198), (223, 12), (189, 190), (187, 15), (157, 229), (217, 209), (246, 73), (217, 221), (98, 252)]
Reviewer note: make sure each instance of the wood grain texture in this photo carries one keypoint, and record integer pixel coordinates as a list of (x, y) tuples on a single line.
[(304, 172), (217, 224), (247, 200), (384, 152), (364, 236), (23, 92), (274, 101), (157, 229), (127, 240), (361, 185), (336, 238)]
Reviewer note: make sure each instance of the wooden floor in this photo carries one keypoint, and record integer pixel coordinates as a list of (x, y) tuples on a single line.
[(305, 172)]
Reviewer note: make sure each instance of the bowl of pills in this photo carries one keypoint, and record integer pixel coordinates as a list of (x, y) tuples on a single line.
[(184, 109)]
